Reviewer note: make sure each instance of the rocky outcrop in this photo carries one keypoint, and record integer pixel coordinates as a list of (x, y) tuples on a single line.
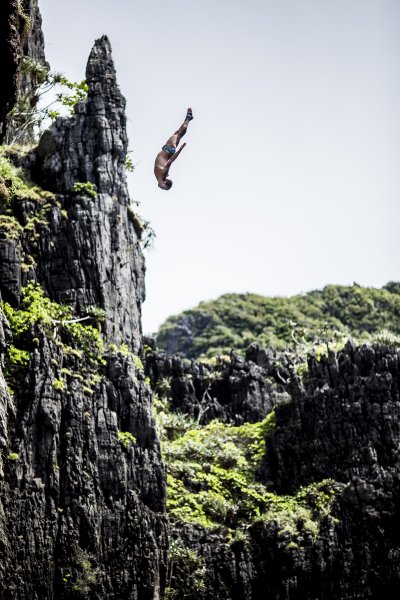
[(82, 510), (98, 243), (342, 423), (21, 39), (234, 390), (92, 146), (10, 52), (84, 250), (82, 489)]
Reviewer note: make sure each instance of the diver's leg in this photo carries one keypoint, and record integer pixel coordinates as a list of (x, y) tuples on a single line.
[(179, 133)]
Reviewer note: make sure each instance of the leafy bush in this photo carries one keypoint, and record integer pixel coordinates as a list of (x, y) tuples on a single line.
[(86, 189), (212, 478), (302, 513), (29, 116), (212, 471), (25, 21), (88, 339), (126, 438), (18, 357), (36, 308), (186, 573), (14, 182), (84, 575), (59, 385)]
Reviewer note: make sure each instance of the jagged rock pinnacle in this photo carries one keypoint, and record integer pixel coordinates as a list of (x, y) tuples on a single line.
[(100, 65), (91, 147)]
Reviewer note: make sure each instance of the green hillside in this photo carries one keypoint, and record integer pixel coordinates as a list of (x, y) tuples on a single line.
[(236, 320)]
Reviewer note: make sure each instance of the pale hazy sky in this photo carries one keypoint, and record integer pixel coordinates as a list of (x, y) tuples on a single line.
[(289, 180)]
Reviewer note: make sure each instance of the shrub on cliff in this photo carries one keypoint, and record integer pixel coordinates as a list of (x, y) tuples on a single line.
[(56, 321)]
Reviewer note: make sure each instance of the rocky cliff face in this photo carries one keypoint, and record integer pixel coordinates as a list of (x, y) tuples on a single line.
[(10, 51), (21, 39), (82, 484), (339, 426), (84, 251), (92, 147), (234, 390)]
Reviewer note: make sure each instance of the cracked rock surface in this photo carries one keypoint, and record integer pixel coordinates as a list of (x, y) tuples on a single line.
[(82, 509)]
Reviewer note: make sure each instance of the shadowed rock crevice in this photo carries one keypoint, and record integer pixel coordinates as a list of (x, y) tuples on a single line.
[(10, 52)]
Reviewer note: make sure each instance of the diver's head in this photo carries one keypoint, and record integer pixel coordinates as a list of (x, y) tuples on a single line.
[(166, 184)]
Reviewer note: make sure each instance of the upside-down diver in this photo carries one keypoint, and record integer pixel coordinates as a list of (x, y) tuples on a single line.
[(169, 153)]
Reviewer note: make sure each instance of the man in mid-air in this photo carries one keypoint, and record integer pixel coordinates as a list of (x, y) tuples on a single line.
[(169, 153)]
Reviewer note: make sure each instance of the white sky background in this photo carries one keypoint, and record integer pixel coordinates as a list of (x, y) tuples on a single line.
[(289, 180)]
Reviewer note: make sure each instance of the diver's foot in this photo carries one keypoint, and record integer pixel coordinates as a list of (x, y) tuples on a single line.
[(189, 115)]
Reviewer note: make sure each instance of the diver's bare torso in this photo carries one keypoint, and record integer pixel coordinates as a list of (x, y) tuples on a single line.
[(160, 166), (169, 153)]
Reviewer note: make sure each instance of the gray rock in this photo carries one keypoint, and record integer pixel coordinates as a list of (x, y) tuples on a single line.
[(82, 512)]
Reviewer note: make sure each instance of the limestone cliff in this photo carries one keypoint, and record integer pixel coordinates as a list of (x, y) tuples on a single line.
[(332, 460), (82, 484), (21, 39), (10, 52)]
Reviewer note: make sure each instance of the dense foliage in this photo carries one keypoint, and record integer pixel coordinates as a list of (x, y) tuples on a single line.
[(54, 320), (236, 320), (44, 100), (212, 477)]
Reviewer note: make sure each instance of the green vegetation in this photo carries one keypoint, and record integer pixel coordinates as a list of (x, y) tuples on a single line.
[(88, 339), (212, 471), (85, 189), (137, 362), (55, 320), (125, 351), (129, 166), (212, 479), (387, 338), (59, 385), (236, 320), (85, 574), (126, 438), (18, 358), (31, 113), (25, 22), (15, 183), (35, 308), (13, 456), (301, 514), (98, 314), (186, 573)]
